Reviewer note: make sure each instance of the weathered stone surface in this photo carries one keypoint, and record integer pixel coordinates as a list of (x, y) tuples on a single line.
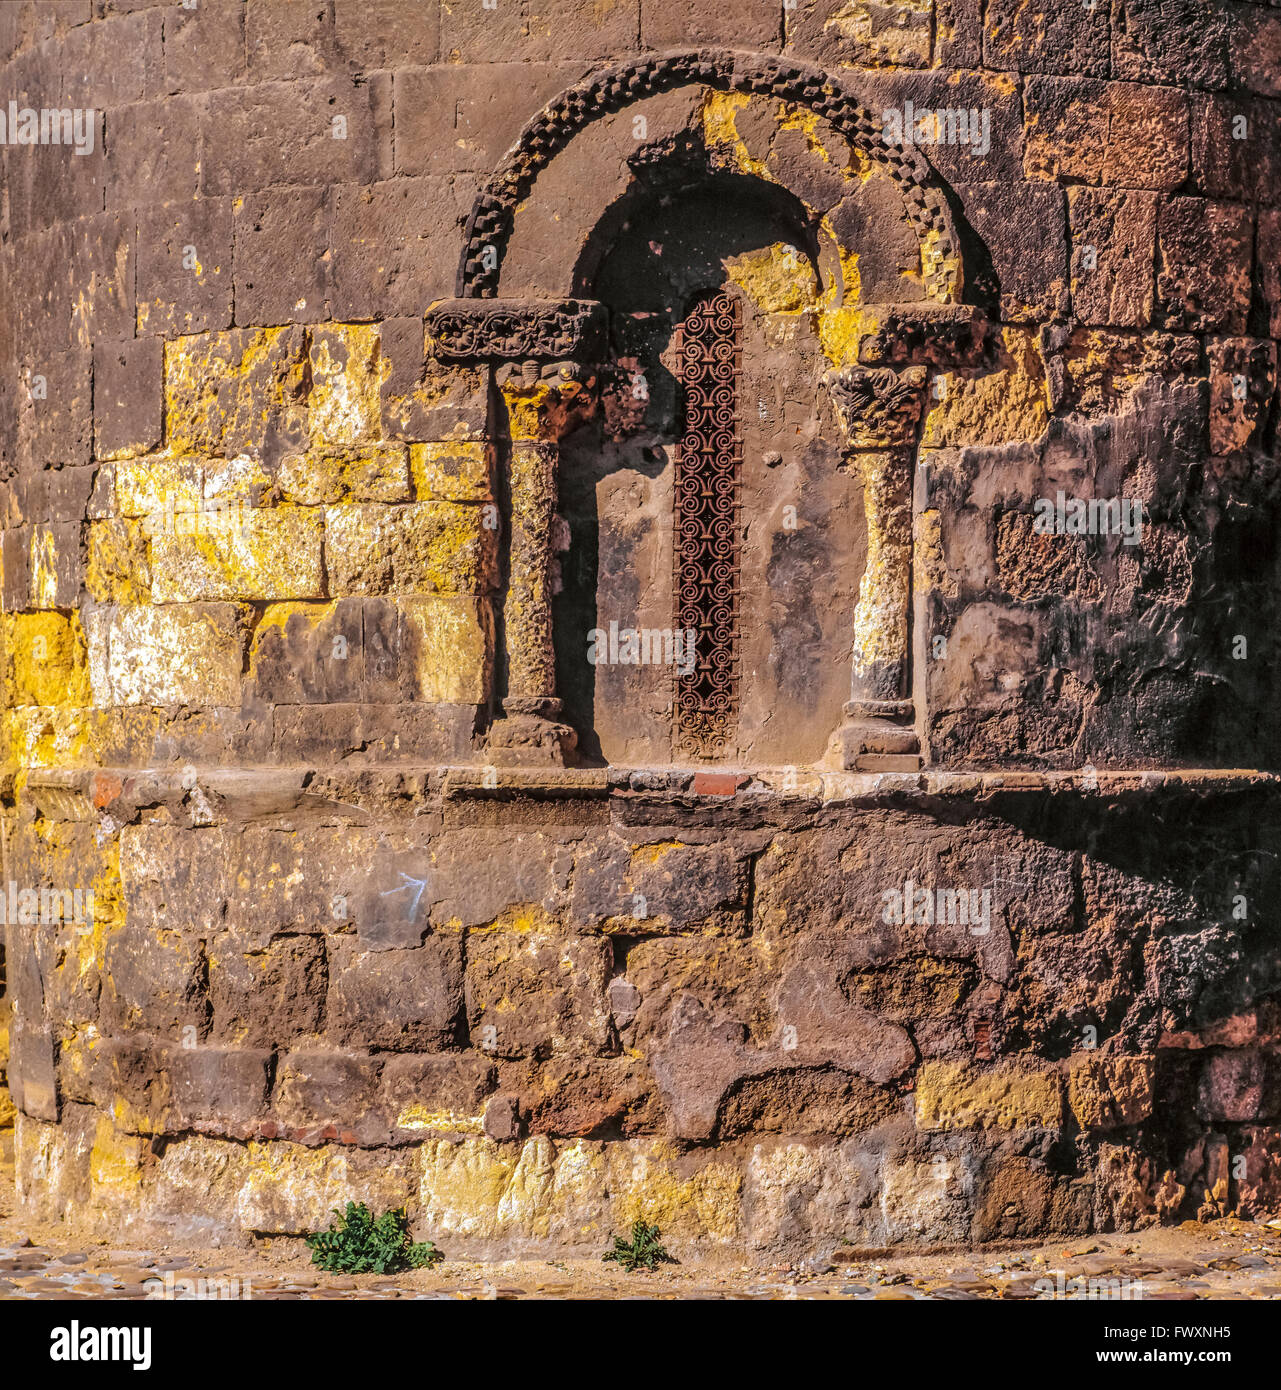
[(246, 554), (1243, 382), (1204, 277), (1111, 133), (181, 654), (267, 997), (1110, 1092), (534, 993), (127, 397), (408, 1000), (424, 547), (952, 1096), (1113, 256)]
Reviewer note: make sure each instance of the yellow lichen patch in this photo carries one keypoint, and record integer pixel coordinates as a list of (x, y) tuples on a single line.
[(368, 473), (116, 565), (718, 114), (240, 553), (778, 279), (647, 1186), (522, 918), (158, 484), (841, 329), (40, 736), (346, 375), (993, 407), (115, 1161), (951, 1095), (651, 854), (454, 471), (222, 389), (422, 547), (447, 646), (932, 574), (50, 659), (446, 1121)]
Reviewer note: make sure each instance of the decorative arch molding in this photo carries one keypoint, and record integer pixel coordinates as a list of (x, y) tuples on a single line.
[(490, 225)]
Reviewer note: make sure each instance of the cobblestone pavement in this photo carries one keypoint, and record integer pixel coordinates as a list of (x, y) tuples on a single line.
[(1225, 1259)]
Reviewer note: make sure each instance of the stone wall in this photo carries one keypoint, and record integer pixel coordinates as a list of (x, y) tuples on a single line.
[(291, 596)]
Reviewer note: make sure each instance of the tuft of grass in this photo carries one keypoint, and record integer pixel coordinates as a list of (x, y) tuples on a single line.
[(643, 1251), (357, 1243)]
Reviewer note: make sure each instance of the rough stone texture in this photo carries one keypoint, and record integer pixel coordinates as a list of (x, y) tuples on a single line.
[(964, 937)]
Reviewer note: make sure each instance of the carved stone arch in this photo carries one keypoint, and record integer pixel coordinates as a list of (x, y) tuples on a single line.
[(489, 226), (551, 360)]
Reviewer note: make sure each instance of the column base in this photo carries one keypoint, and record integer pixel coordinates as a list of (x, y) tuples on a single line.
[(876, 736), (529, 735)]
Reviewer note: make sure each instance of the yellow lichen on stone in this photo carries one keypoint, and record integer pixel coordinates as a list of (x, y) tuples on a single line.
[(880, 618), (49, 659), (176, 654), (931, 573), (446, 649), (647, 1185), (778, 279), (718, 115), (361, 473), (270, 553), (233, 385), (453, 471), (951, 1095), (117, 569), (1001, 406), (446, 1121), (346, 375), (158, 484), (422, 547)]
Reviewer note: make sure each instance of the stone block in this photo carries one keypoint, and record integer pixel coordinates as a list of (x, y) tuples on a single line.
[(345, 371), (356, 473), (400, 1000), (313, 130), (1171, 42), (325, 1089), (128, 397), (57, 566), (1269, 268), (446, 649), (153, 982), (1067, 39), (143, 172), (425, 547), (174, 879), (308, 653), (280, 250), (1203, 283), (395, 245), (951, 1095), (1109, 1092), (1021, 227), (219, 1088), (444, 1093), (1111, 133), (270, 997), (1113, 255), (861, 33), (238, 392), (204, 46), (48, 659), (459, 470), (185, 654), (242, 553), (373, 34), (185, 281), (533, 993), (55, 421)]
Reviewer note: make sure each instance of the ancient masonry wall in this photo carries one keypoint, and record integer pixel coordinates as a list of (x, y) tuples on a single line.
[(260, 612)]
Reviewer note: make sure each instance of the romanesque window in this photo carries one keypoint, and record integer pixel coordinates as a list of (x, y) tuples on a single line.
[(708, 464)]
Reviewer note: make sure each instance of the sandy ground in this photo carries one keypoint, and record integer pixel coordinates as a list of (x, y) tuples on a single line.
[(1226, 1259)]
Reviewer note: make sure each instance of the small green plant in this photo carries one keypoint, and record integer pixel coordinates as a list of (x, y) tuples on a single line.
[(358, 1244), (643, 1251)]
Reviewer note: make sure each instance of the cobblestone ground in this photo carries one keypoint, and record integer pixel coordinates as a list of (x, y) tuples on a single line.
[(1225, 1259)]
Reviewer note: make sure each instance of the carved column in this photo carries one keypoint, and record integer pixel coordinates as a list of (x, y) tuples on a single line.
[(878, 410), (542, 353), (879, 403), (542, 406)]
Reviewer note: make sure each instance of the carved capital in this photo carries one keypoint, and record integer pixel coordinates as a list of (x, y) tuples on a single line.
[(878, 408), (544, 404), (508, 330), (935, 335)]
